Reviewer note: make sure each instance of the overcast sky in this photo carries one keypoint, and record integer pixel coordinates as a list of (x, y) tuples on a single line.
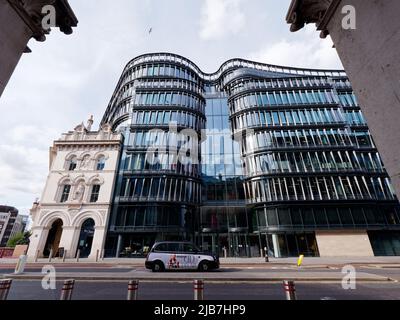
[(68, 78)]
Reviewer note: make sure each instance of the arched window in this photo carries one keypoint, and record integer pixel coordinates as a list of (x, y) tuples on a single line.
[(101, 163), (94, 194), (72, 163), (65, 191)]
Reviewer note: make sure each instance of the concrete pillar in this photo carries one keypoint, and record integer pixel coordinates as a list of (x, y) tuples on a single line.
[(69, 240), (37, 241), (99, 239), (275, 242)]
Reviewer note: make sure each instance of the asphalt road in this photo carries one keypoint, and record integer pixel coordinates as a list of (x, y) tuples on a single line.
[(4, 269), (32, 290), (153, 290)]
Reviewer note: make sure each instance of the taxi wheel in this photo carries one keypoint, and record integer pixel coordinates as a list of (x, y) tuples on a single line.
[(158, 266), (204, 266)]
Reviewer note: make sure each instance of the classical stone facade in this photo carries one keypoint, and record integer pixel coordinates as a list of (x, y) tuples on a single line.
[(73, 212), (21, 20), (370, 54)]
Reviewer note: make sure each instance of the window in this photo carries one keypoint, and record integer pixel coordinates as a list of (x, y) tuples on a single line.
[(189, 248), (101, 163), (163, 247), (66, 189), (72, 163), (94, 195)]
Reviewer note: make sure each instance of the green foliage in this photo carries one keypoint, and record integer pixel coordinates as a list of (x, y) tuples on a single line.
[(20, 238)]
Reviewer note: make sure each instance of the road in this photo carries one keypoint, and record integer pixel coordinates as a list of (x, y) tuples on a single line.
[(84, 290), (229, 283)]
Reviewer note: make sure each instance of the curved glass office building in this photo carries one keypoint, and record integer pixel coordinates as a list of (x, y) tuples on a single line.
[(251, 159)]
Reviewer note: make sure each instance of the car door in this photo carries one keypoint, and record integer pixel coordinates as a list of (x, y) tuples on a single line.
[(191, 256), (173, 257)]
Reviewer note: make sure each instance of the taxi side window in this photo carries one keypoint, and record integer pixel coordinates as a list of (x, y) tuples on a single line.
[(189, 248), (173, 247), (161, 248)]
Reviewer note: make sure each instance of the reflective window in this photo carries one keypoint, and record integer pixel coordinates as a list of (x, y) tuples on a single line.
[(94, 195), (65, 191)]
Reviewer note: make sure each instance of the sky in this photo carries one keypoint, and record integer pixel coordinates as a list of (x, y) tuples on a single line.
[(68, 78)]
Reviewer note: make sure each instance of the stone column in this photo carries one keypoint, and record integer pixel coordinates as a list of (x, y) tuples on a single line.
[(275, 242), (15, 35), (99, 239), (19, 22), (69, 240), (37, 241)]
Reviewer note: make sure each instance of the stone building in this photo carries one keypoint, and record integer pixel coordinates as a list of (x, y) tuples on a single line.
[(73, 212)]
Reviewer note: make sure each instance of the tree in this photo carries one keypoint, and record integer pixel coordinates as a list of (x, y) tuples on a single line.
[(20, 238)]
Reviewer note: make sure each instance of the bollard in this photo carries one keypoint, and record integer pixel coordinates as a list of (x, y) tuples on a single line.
[(64, 255), (198, 286), (50, 255), (290, 290), (5, 285), (133, 288), (66, 291), (266, 257), (300, 260), (20, 267), (78, 253)]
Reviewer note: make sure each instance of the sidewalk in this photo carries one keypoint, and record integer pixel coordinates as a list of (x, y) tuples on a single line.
[(220, 276), (308, 261), (247, 270)]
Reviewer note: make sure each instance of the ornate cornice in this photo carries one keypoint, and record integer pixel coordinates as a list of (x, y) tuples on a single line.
[(30, 11), (320, 12)]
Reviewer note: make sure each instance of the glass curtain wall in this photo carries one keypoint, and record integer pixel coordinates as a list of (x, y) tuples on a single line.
[(286, 153)]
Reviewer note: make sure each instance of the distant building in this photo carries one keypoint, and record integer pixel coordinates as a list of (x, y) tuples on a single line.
[(370, 54), (8, 216), (19, 225), (22, 20), (73, 211)]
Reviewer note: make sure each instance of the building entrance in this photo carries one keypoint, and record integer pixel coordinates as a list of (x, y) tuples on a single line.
[(280, 245), (86, 238), (53, 239)]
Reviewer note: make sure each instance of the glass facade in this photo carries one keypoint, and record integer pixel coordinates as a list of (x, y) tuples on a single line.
[(251, 158)]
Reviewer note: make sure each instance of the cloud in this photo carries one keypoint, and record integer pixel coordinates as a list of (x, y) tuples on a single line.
[(220, 18), (24, 161), (307, 51)]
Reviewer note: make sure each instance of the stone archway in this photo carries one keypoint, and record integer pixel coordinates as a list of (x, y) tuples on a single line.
[(53, 239)]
